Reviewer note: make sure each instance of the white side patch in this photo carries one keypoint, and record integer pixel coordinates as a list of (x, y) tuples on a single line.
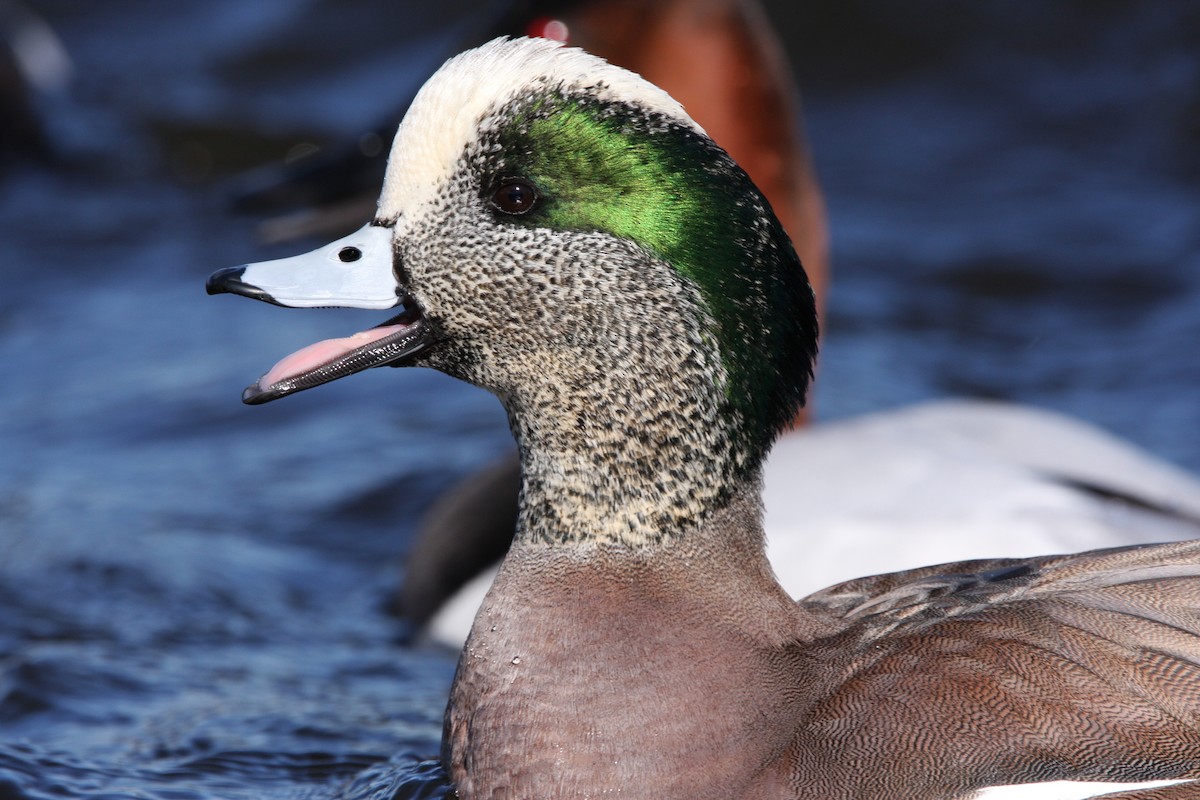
[(1067, 790), (445, 115)]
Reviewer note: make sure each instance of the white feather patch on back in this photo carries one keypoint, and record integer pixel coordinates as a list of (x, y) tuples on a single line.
[(1066, 790), (446, 113)]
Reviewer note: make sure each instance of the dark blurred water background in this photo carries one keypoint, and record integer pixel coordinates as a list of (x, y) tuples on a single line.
[(192, 592)]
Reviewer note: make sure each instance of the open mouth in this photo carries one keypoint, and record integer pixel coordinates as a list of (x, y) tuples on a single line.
[(389, 343), (354, 272)]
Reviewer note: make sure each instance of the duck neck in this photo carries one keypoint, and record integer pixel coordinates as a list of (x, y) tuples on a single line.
[(638, 472)]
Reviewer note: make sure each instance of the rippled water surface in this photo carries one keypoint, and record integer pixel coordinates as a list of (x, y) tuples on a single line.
[(192, 592)]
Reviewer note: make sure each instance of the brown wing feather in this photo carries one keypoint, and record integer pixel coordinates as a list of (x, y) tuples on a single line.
[(952, 678)]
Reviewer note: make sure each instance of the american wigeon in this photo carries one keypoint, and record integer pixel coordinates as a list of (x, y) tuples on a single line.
[(559, 231)]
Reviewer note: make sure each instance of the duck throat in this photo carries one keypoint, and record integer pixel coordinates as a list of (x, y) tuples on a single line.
[(625, 461), (617, 493)]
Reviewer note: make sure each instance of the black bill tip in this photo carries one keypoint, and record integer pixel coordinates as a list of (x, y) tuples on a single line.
[(229, 281)]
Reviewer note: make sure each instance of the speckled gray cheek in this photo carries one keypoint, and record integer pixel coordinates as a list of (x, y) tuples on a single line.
[(597, 351)]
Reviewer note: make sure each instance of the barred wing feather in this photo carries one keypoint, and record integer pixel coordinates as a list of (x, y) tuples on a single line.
[(1079, 667)]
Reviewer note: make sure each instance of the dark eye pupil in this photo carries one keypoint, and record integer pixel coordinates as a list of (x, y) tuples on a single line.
[(350, 253), (515, 198)]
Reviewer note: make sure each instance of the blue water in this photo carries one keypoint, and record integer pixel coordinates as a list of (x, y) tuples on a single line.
[(192, 592)]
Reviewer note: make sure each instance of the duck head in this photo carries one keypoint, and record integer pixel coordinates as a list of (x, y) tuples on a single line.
[(558, 230)]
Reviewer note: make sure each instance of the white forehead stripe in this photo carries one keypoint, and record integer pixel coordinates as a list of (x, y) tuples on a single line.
[(445, 115)]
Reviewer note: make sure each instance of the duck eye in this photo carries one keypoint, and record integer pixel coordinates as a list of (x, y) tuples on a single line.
[(515, 197), (349, 253)]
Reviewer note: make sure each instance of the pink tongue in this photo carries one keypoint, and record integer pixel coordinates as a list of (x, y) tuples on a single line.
[(316, 355)]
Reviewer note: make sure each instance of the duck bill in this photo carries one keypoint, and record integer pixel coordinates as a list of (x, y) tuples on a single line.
[(353, 272)]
